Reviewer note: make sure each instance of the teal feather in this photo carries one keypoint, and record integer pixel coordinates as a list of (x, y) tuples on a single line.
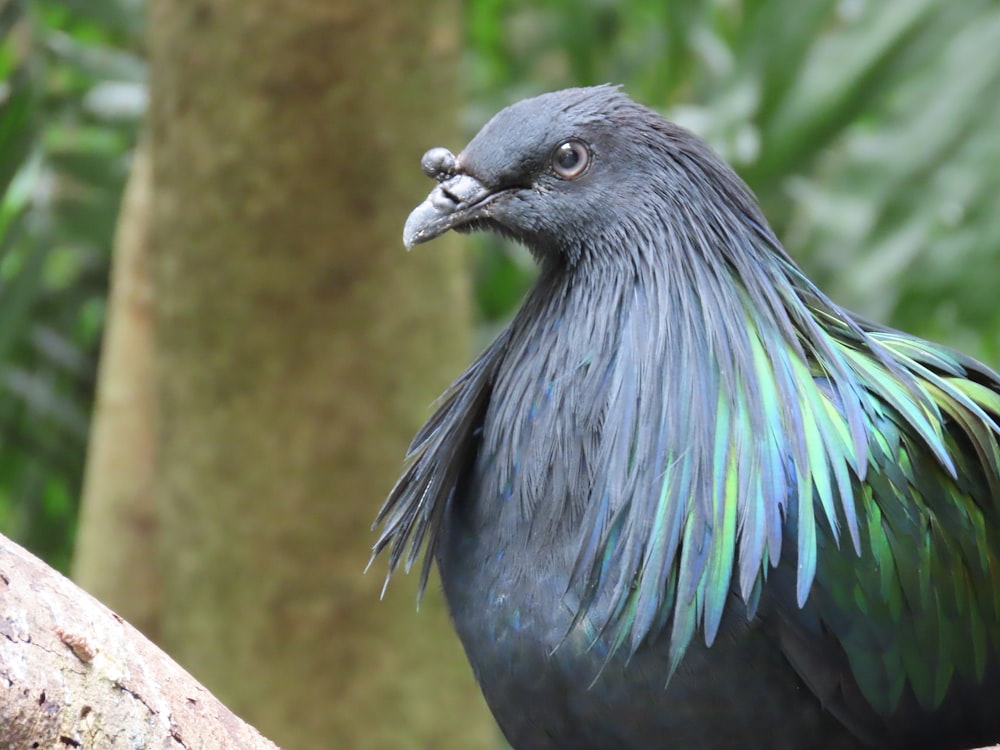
[(715, 588), (858, 442), (890, 396)]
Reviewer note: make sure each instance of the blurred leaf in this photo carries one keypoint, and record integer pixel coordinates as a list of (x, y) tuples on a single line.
[(96, 61), (115, 16), (18, 290), (777, 39), (64, 150), (503, 273), (845, 73), (17, 106)]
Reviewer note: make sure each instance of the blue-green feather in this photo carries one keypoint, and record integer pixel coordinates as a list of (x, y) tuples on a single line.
[(865, 430)]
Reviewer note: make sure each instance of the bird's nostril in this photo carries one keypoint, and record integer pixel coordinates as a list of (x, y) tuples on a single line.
[(444, 200)]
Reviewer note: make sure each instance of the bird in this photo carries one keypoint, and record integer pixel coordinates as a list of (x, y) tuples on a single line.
[(684, 499)]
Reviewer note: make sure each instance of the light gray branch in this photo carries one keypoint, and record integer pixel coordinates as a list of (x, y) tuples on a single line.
[(73, 674)]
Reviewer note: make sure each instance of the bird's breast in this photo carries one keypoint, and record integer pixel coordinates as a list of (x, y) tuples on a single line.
[(510, 541), (514, 527)]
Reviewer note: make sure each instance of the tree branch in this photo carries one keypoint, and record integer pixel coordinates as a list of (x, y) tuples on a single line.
[(73, 674)]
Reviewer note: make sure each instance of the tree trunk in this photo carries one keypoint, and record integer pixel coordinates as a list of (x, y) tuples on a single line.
[(117, 526), (298, 348)]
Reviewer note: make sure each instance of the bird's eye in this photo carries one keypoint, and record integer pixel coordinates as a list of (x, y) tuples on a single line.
[(570, 159)]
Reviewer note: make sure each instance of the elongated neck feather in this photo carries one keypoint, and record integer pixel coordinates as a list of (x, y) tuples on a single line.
[(671, 325), (653, 367)]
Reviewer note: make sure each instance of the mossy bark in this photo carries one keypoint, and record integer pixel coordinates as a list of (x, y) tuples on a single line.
[(298, 348)]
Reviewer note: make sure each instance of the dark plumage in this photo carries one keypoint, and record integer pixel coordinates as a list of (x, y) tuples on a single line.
[(684, 500)]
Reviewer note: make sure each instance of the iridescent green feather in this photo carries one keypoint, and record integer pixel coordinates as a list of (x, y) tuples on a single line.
[(930, 504), (919, 505)]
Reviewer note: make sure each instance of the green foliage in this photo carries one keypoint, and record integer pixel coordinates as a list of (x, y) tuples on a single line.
[(70, 96), (866, 127)]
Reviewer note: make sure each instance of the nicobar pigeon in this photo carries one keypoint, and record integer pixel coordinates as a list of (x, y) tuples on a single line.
[(685, 500)]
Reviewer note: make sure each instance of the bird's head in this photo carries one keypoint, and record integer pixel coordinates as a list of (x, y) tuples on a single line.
[(574, 170)]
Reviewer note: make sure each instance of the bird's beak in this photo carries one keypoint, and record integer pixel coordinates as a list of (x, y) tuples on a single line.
[(456, 201)]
